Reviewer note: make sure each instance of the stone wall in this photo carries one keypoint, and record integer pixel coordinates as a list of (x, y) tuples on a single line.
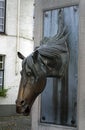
[(40, 6)]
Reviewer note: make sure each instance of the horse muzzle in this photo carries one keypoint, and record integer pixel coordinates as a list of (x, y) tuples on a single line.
[(22, 108)]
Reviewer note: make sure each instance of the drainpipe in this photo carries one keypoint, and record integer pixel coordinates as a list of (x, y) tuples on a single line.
[(17, 37)]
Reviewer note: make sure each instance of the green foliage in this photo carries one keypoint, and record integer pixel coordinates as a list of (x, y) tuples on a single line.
[(3, 92)]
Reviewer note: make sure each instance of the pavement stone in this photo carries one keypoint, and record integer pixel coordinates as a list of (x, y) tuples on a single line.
[(15, 123)]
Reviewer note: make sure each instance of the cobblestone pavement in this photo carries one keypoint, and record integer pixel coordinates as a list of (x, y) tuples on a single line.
[(15, 123)]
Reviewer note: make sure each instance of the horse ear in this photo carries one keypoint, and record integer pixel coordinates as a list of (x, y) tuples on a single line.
[(35, 55), (20, 56)]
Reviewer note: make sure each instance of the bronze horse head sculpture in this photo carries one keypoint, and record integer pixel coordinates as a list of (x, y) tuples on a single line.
[(50, 59)]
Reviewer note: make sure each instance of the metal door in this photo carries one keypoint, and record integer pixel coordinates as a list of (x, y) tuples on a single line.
[(59, 99)]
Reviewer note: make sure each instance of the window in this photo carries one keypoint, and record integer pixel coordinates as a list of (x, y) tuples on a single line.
[(1, 71), (2, 16)]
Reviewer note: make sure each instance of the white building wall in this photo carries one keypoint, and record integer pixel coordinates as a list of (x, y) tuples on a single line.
[(9, 47)]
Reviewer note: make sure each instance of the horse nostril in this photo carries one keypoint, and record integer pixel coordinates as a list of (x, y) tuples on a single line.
[(22, 102)]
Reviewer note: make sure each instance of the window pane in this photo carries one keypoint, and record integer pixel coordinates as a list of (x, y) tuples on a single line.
[(1, 28), (0, 81), (1, 78), (1, 74), (1, 4), (0, 58), (1, 71), (1, 66), (1, 21), (2, 15), (1, 62), (1, 11)]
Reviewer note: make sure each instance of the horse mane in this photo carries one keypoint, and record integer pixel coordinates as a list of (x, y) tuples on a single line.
[(50, 58), (53, 46)]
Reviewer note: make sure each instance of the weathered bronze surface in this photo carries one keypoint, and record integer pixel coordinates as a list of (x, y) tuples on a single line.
[(48, 60)]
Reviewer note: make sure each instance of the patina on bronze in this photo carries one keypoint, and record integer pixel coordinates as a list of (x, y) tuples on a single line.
[(48, 60)]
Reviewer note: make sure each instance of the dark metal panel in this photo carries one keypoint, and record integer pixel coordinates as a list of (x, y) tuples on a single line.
[(59, 99), (50, 23), (50, 29), (72, 23), (54, 22), (47, 106), (47, 23)]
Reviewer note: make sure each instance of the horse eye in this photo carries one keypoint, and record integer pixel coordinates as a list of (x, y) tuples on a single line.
[(28, 73)]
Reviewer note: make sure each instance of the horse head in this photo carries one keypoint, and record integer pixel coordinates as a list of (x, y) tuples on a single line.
[(29, 88), (50, 59)]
